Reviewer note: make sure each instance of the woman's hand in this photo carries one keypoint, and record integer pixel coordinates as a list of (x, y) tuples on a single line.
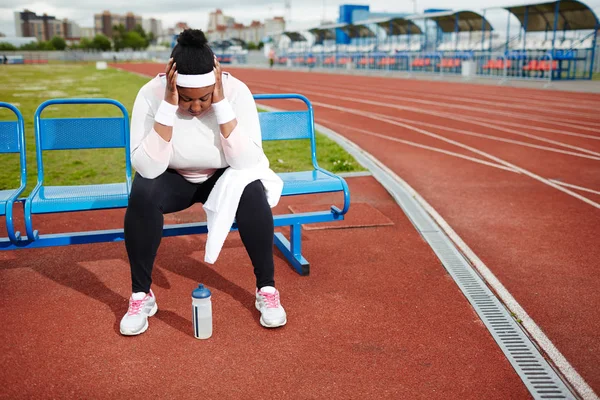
[(171, 94), (218, 92)]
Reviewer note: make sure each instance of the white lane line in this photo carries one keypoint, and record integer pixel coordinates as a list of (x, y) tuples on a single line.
[(407, 142), (491, 137), (539, 128), (511, 303), (529, 324), (443, 115), (574, 186), (508, 123), (569, 123), (482, 153), (548, 107), (513, 124), (527, 99)]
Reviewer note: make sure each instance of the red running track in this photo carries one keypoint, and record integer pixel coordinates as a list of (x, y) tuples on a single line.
[(415, 335), (541, 242), (378, 318)]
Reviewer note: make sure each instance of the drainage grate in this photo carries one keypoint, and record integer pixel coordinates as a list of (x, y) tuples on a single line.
[(538, 376)]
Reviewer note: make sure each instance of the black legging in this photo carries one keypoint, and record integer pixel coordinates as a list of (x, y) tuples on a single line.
[(150, 199)]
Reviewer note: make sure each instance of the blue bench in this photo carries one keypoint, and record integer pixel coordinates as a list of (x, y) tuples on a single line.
[(12, 140), (52, 134)]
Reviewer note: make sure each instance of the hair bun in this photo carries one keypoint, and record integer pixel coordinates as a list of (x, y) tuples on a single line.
[(192, 38)]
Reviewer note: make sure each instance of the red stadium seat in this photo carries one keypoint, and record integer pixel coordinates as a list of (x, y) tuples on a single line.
[(386, 61)]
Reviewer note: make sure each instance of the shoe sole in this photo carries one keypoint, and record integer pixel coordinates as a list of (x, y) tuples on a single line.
[(262, 321), (145, 327)]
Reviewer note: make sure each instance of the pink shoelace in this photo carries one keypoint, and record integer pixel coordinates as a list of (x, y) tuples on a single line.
[(271, 299), (135, 306)]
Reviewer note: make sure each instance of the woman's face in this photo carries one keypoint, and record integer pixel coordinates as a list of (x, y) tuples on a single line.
[(195, 101)]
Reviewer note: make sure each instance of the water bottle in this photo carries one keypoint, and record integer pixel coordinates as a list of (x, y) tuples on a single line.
[(202, 312)]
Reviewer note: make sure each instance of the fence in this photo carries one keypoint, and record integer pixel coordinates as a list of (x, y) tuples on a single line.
[(43, 57), (504, 66), (597, 60)]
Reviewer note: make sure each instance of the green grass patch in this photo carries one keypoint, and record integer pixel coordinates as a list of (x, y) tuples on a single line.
[(596, 76), (27, 86)]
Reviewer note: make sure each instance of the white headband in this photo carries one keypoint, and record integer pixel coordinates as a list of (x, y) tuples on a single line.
[(196, 81)]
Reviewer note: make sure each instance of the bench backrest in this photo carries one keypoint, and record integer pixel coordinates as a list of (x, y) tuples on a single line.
[(81, 133), (288, 125), (12, 138), (113, 132)]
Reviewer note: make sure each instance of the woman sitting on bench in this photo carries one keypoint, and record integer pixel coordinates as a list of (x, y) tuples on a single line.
[(187, 127)]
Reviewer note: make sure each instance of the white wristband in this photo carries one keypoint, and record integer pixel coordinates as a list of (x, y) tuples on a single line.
[(223, 111), (165, 114)]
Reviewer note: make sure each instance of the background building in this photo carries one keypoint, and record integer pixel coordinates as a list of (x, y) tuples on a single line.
[(222, 27), (45, 27), (71, 30), (87, 33), (217, 19), (103, 23), (153, 26)]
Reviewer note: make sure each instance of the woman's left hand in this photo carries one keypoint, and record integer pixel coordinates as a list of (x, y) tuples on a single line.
[(218, 94)]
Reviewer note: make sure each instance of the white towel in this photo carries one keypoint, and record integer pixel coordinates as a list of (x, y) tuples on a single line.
[(222, 203)]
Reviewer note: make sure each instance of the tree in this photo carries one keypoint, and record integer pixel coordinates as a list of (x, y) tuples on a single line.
[(58, 43), (138, 28), (6, 46), (101, 42), (140, 31), (46, 46), (85, 43), (118, 36), (30, 46), (133, 40)]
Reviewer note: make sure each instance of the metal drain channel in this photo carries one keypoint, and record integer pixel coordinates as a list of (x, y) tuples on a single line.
[(539, 377)]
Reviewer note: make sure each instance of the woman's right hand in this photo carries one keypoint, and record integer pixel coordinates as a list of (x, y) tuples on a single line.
[(171, 95)]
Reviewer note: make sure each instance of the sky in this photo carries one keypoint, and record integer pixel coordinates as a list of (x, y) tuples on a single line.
[(304, 13)]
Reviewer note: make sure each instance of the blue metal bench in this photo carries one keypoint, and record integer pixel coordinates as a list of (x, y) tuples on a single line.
[(12, 140), (52, 134), (86, 133)]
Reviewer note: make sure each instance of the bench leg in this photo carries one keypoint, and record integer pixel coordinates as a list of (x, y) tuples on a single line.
[(292, 250)]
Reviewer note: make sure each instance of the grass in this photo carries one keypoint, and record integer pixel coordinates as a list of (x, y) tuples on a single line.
[(596, 76), (28, 86)]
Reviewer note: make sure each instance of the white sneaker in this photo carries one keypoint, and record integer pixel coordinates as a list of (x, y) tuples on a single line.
[(141, 306), (267, 302)]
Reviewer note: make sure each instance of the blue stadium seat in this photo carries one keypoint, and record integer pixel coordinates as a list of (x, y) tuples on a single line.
[(12, 140), (53, 134)]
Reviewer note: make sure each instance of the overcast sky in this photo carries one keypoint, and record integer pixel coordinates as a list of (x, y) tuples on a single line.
[(305, 13)]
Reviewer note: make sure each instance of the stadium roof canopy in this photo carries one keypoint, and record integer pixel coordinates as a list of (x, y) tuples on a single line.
[(294, 36), (395, 26), (456, 21), (358, 30), (572, 15), (326, 32)]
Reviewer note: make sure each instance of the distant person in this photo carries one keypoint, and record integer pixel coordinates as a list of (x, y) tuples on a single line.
[(191, 126), (4, 59), (271, 57)]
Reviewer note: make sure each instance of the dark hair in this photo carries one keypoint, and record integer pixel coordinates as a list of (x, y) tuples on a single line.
[(192, 54)]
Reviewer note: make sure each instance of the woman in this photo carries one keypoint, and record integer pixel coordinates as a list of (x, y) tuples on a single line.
[(187, 127)]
